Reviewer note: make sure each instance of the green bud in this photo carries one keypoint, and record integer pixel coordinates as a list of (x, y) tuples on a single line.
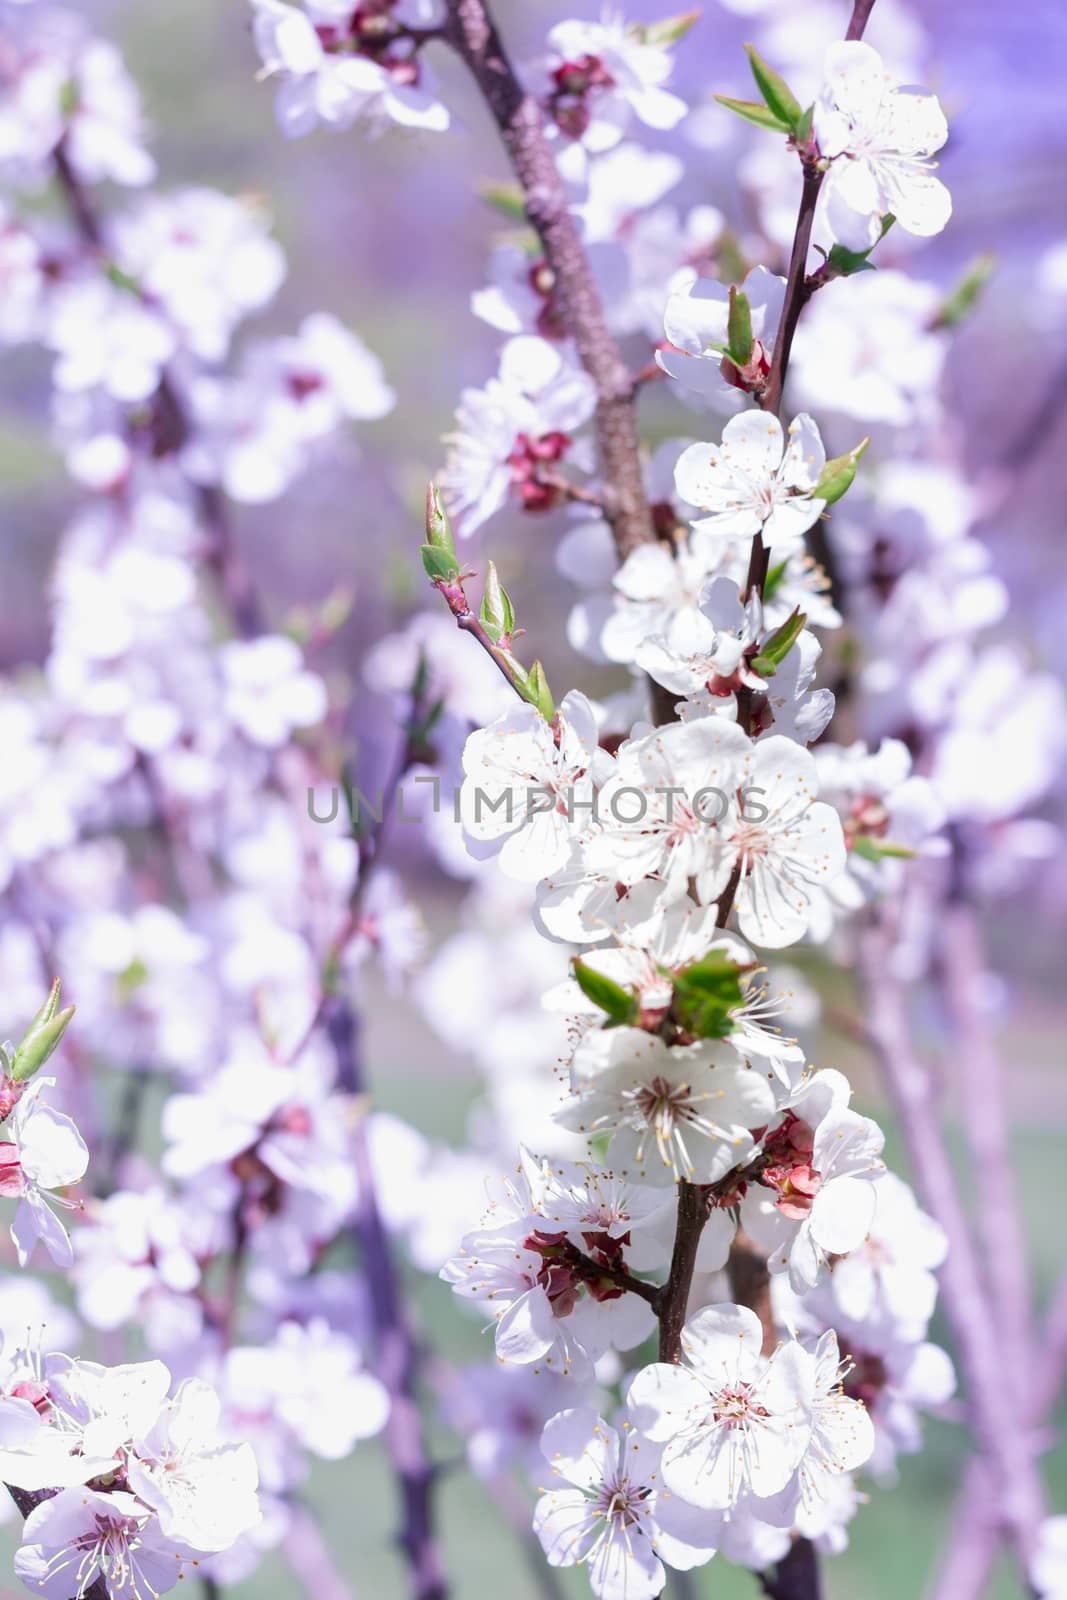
[(668, 31), (778, 96), (706, 993), (41, 1037), (962, 300), (619, 1003), (739, 328), (438, 523), (880, 849), (496, 612), (845, 263), (438, 565), (777, 645), (505, 198), (839, 474), (752, 111), (537, 692)]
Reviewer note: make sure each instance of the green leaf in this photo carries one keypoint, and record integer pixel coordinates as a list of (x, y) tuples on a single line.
[(774, 579), (778, 96), (620, 1004), (438, 523), (879, 849), (705, 995), (844, 263), (839, 474), (505, 198), (777, 645), (497, 611), (439, 565), (802, 129), (739, 328), (41, 1037), (961, 300), (752, 111), (538, 692), (667, 31)]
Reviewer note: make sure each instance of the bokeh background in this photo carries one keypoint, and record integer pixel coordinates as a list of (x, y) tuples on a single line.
[(392, 236)]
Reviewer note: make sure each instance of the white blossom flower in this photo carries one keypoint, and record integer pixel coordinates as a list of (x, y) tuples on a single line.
[(879, 137), (80, 1536), (733, 1423), (842, 1440), (518, 425), (45, 1153), (757, 481), (203, 1492), (818, 1194), (528, 786), (614, 1518), (334, 73), (203, 256), (268, 691), (599, 73), (681, 1112)]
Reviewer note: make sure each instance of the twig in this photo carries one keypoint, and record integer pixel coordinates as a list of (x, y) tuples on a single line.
[(472, 33), (674, 1297)]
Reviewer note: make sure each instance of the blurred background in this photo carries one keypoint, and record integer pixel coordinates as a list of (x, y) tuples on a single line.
[(391, 236)]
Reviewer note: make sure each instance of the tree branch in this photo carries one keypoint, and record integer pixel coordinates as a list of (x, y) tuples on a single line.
[(472, 33)]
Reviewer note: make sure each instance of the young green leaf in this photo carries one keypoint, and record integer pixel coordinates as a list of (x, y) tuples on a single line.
[(752, 111), (739, 328), (620, 1004), (961, 300), (505, 198), (705, 995), (838, 475), (667, 32), (778, 96), (439, 565), (777, 645), (538, 692), (879, 849), (41, 1037)]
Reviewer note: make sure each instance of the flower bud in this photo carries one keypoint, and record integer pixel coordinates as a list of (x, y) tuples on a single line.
[(41, 1037)]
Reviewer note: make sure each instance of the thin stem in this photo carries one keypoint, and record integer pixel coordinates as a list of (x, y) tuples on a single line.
[(456, 600), (397, 1351), (472, 33), (674, 1297)]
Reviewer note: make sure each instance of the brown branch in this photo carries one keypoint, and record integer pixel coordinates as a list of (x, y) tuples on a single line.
[(472, 33), (674, 1296)]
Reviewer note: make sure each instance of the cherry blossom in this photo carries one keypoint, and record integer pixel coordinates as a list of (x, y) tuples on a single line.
[(758, 481), (598, 74), (45, 1153), (734, 1424), (614, 1518), (514, 429), (80, 1536), (529, 784), (879, 138), (672, 1113)]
